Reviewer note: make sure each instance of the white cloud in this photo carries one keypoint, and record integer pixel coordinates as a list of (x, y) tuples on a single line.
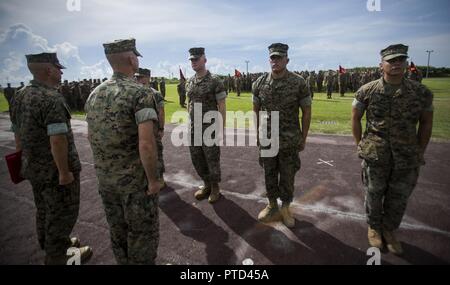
[(13, 62), (168, 69), (19, 40), (100, 70)]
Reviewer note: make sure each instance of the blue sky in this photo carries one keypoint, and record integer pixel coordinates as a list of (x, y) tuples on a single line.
[(321, 34)]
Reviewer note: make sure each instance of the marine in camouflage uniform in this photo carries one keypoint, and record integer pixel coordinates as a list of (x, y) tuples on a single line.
[(238, 81), (162, 87), (343, 79), (208, 90), (64, 89), (284, 92), (116, 112), (310, 81), (41, 124), (391, 148), (320, 78), (143, 77), (329, 79), (8, 92), (181, 89)]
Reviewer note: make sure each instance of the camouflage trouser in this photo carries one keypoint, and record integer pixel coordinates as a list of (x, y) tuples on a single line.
[(134, 226), (160, 164), (342, 88), (387, 192), (329, 90), (279, 172), (56, 213), (319, 86), (206, 160)]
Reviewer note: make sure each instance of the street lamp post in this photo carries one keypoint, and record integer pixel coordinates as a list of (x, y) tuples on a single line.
[(247, 61)]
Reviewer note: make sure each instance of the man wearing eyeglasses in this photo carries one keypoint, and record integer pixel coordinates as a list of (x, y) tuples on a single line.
[(391, 147)]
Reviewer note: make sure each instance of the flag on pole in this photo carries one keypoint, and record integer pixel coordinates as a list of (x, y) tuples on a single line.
[(412, 67), (182, 75), (342, 70), (237, 73)]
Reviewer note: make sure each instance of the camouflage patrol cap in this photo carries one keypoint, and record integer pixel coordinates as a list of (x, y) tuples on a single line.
[(143, 72), (394, 51), (196, 52), (119, 46), (278, 49), (45, 57)]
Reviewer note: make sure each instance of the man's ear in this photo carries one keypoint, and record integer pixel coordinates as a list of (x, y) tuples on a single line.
[(287, 60), (206, 60)]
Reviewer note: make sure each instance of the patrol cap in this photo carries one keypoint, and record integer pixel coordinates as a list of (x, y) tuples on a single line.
[(394, 51), (278, 49), (119, 46), (196, 52), (45, 57), (142, 72)]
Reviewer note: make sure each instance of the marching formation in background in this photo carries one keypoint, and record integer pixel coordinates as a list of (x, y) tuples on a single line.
[(125, 117)]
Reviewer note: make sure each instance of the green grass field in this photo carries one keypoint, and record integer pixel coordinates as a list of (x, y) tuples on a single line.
[(328, 116)]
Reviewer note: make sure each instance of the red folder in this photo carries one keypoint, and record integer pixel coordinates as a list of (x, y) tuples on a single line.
[(14, 162)]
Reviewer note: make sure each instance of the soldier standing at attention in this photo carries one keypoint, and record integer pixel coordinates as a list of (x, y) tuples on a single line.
[(122, 129), (238, 82), (143, 77), (9, 93), (41, 124), (391, 148), (329, 79), (319, 81), (342, 79), (162, 87), (206, 91), (284, 92), (181, 89)]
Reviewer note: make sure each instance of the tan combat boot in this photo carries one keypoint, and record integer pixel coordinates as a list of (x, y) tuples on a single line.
[(270, 213), (392, 243), (85, 254), (287, 217), (215, 193), (202, 192), (375, 239)]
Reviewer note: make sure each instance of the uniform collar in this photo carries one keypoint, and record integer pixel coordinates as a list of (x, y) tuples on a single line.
[(384, 84), (37, 83), (121, 76), (208, 74), (285, 75)]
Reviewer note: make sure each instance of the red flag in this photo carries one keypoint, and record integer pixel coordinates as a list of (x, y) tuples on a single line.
[(412, 67), (237, 73), (342, 70), (182, 75)]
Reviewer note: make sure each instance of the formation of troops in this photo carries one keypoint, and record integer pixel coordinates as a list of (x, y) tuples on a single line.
[(329, 81), (125, 116), (76, 92)]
